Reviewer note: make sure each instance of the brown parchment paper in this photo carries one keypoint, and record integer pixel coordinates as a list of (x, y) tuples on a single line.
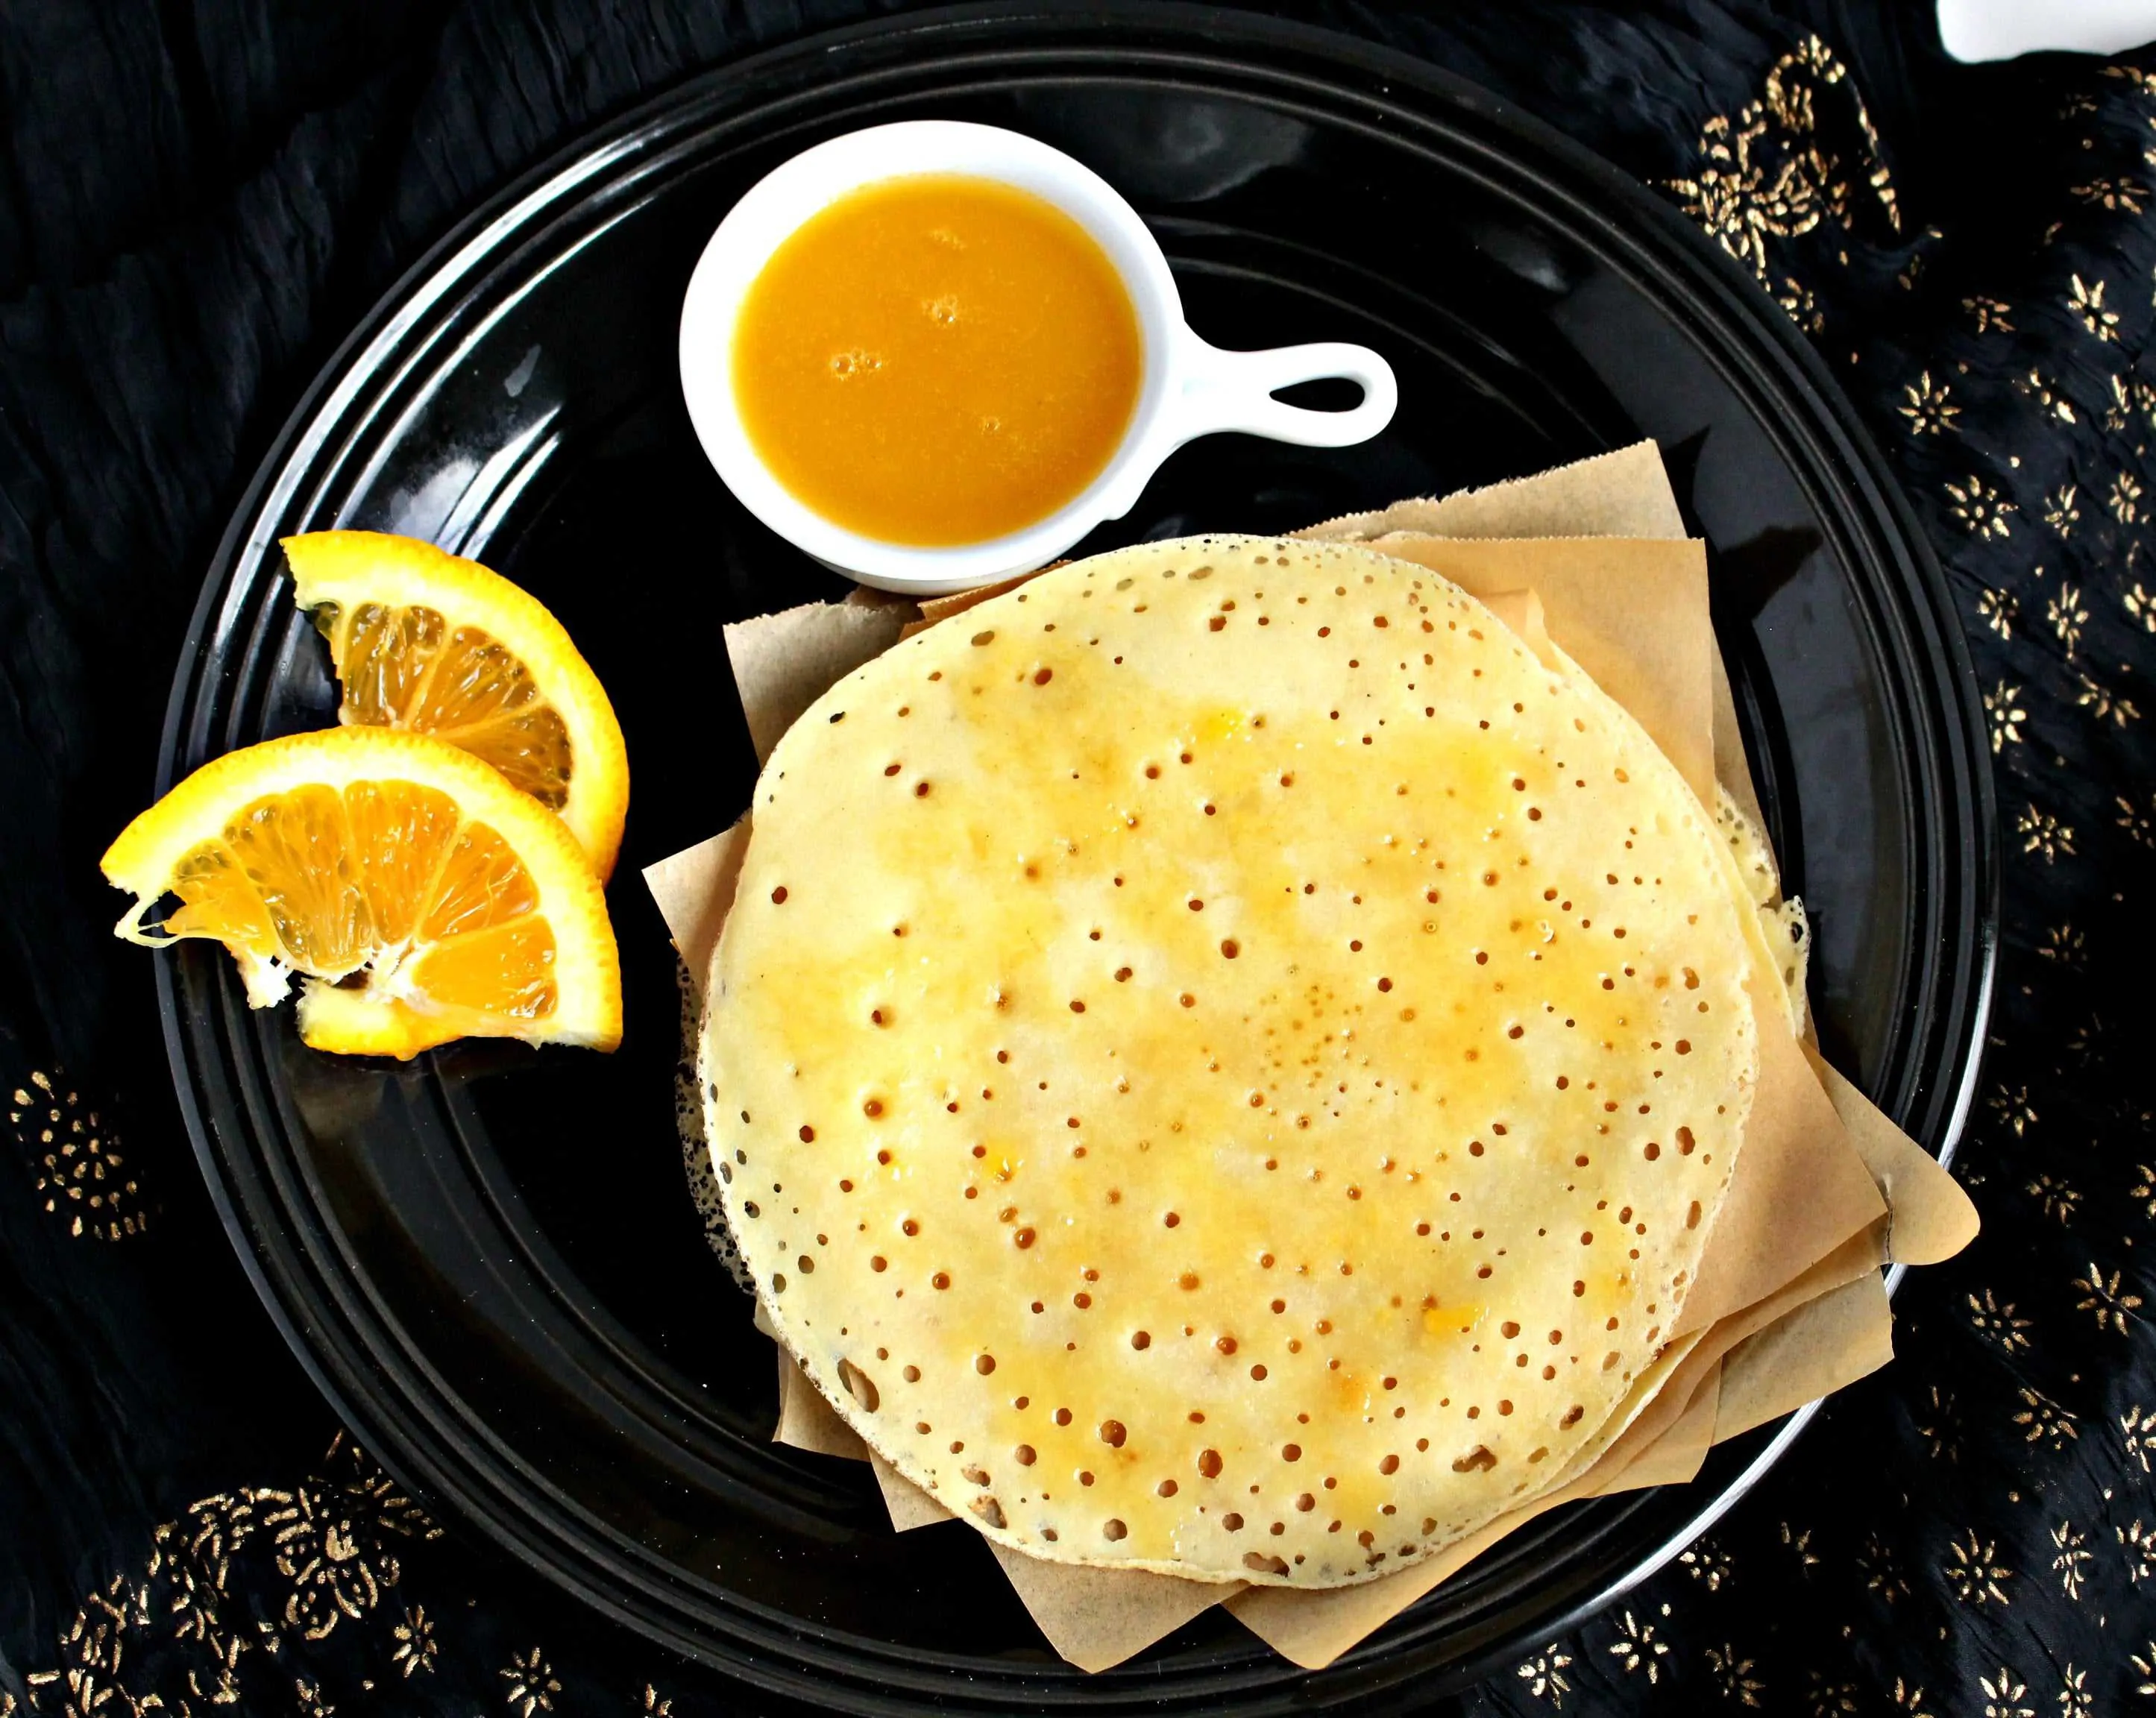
[(1782, 1308)]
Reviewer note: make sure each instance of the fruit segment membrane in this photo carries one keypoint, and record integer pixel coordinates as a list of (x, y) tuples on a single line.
[(382, 877), (408, 667)]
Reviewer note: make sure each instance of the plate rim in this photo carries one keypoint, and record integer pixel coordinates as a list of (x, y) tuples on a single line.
[(1074, 26)]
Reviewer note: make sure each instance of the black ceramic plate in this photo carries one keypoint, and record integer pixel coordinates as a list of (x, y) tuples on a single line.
[(488, 1259)]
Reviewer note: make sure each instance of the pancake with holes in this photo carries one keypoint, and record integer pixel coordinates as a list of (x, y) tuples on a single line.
[(1224, 1061)]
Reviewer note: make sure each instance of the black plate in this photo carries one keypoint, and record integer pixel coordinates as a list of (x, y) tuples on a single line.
[(488, 1259)]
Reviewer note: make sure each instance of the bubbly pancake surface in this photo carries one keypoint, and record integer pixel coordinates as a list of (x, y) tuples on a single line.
[(1221, 1061)]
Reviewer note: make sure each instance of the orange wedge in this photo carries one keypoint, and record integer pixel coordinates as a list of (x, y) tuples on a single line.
[(422, 896), (432, 643)]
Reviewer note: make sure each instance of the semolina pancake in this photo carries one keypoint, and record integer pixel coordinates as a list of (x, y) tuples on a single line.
[(1223, 1062)]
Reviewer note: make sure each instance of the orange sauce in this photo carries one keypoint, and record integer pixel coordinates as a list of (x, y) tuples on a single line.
[(937, 359)]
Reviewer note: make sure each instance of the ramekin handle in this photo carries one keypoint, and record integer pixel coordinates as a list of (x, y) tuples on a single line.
[(1220, 390)]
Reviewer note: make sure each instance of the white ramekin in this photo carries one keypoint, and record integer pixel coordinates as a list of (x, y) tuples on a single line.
[(1188, 388)]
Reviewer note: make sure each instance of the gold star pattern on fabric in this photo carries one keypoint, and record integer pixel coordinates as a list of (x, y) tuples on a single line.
[(2086, 302), (1909, 1700), (2126, 195), (2002, 706), (1999, 1322), (2038, 386), (2042, 1419), (1979, 507), (2056, 1201), (1974, 1571), (2108, 1298), (2042, 833), (2125, 499), (2103, 703), (2061, 509), (1543, 1673), (1638, 1649), (2067, 615), (2073, 1558), (1928, 405), (2003, 1694), (529, 1684), (1731, 1675), (2139, 822)]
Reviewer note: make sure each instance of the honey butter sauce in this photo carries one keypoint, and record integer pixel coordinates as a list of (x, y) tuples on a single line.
[(937, 359)]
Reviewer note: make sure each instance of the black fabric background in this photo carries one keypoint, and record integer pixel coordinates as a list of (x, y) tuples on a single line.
[(197, 200)]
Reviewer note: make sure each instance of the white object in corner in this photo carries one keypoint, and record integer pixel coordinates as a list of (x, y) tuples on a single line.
[(1973, 30)]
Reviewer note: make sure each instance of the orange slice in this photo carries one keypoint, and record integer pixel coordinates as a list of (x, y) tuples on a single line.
[(422, 896), (432, 643)]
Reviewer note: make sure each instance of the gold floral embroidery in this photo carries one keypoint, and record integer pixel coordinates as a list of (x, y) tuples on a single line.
[(2106, 1297), (183, 1594), (2143, 1662), (2057, 1201), (2067, 615), (2104, 703), (1974, 1571), (1826, 1699), (2002, 706), (2011, 1105), (2086, 302), (1732, 1675), (2000, 1322), (1929, 406), (531, 1684), (1637, 1648), (1773, 172), (2121, 408), (2141, 606), (1708, 1562), (1998, 610), (332, 1546), (1882, 1575), (2061, 510), (2139, 824), (2074, 1557), (2063, 944), (2003, 1697), (81, 1171), (2126, 195), (1909, 1698), (1989, 313), (2075, 1701), (2042, 833), (2035, 386), (1979, 508), (654, 1706), (2139, 1543), (1800, 1545), (1942, 1432), (1544, 1675), (2125, 498), (413, 1654)]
